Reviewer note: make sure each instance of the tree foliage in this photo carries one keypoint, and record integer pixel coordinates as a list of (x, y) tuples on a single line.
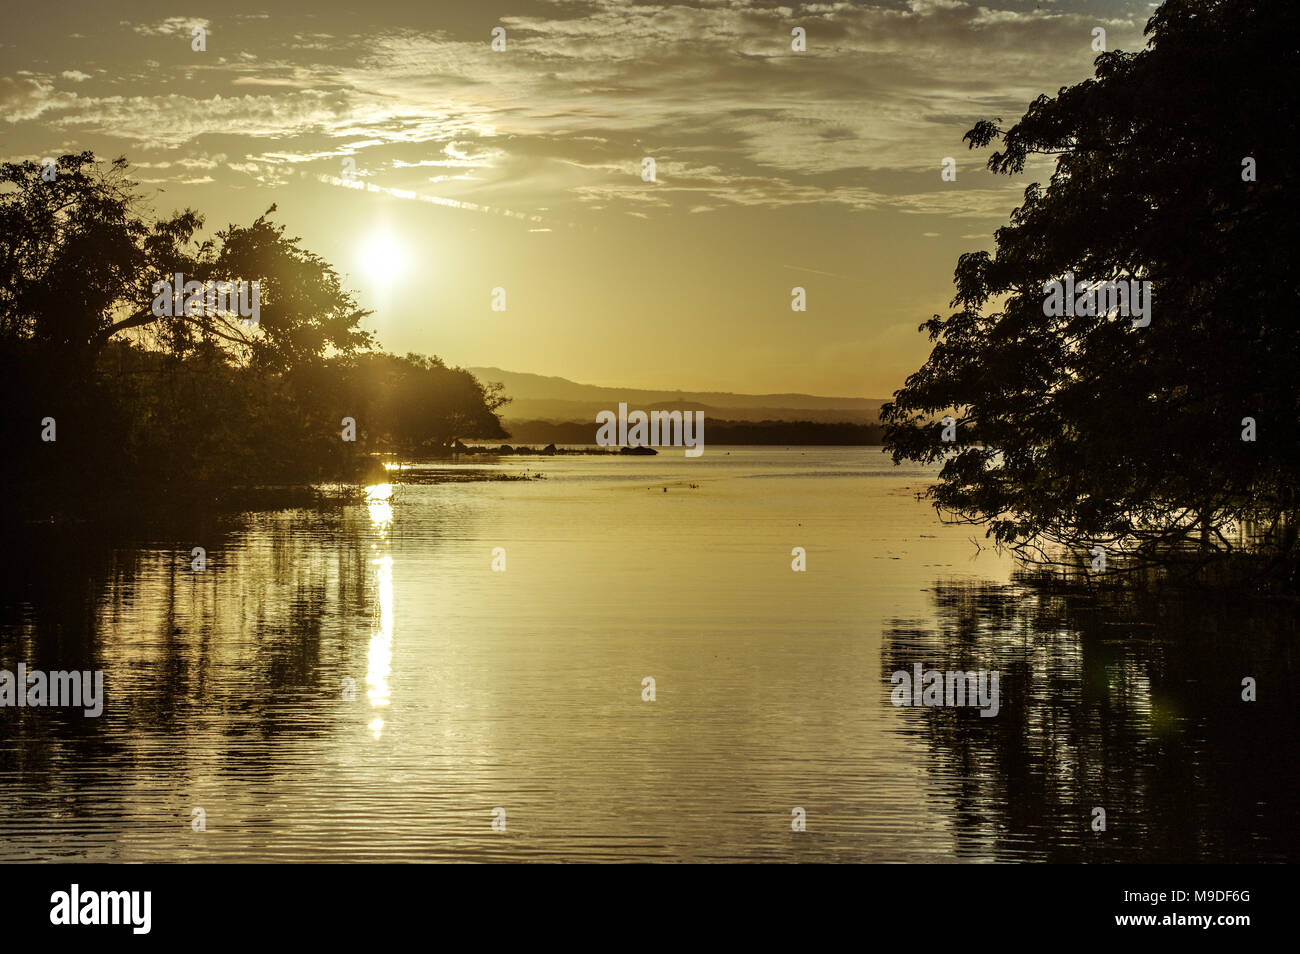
[(80, 256), (1085, 430), (149, 404)]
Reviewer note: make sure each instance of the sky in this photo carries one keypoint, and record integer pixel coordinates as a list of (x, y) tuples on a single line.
[(431, 169)]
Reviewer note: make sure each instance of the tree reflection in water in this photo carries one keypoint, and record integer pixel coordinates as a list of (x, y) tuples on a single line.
[(1133, 704)]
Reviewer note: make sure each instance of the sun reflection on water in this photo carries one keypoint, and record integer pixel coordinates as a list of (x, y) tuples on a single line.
[(380, 655), (379, 503)]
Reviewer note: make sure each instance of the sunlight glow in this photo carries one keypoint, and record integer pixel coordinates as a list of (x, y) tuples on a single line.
[(383, 258), (379, 658), (380, 507)]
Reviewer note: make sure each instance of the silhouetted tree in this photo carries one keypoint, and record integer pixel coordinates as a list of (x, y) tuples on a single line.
[(429, 405), (1083, 430), (412, 405), (79, 257), (198, 402)]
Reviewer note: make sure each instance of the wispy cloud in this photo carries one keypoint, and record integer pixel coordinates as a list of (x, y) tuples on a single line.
[(733, 115)]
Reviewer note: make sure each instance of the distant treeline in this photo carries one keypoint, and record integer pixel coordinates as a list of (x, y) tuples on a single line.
[(715, 432)]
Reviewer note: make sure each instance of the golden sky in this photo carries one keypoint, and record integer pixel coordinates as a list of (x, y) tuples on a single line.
[(431, 169)]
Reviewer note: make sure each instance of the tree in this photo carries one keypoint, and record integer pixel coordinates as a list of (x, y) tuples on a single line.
[(79, 256), (190, 404), (1082, 430), (418, 404)]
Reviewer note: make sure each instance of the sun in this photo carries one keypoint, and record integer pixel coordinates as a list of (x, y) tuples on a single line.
[(382, 257)]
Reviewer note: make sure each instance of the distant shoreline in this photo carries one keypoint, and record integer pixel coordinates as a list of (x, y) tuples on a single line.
[(578, 448), (717, 431)]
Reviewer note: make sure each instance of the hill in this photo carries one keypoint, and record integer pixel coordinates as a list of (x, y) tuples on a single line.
[(539, 397)]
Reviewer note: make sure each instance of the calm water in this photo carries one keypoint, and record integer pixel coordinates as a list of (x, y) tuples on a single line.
[(522, 690)]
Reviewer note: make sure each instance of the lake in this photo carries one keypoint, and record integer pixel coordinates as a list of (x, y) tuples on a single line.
[(358, 683)]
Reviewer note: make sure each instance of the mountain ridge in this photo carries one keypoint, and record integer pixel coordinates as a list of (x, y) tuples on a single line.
[(548, 397)]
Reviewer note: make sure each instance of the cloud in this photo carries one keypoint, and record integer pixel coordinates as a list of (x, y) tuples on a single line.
[(27, 97), (411, 196), (172, 26), (174, 119), (713, 91)]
